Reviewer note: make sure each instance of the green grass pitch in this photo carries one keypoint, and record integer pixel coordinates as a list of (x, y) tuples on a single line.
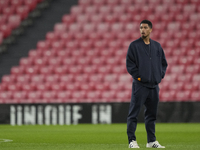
[(177, 136)]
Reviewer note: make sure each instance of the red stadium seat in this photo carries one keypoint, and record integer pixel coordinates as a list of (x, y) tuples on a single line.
[(191, 86), (48, 95), (103, 27), (34, 95), (182, 95), (43, 45), (90, 70), (196, 78), (167, 18), (3, 19), (189, 8), (112, 2), (14, 87), (185, 60), (192, 69), (125, 78), (75, 70), (20, 95), (34, 53), (60, 70), (17, 70), (66, 78), (51, 78), (4, 3), (164, 86), (78, 96), (167, 96), (176, 86), (84, 78), (8, 10), (108, 36), (197, 61), (104, 69), (23, 78), (68, 19), (85, 2), (185, 78), (82, 18), (93, 96), (31, 70), (119, 9), (72, 86), (195, 96), (96, 18), (60, 27), (76, 10), (46, 70), (125, 2), (74, 28), (31, 4), (29, 87), (87, 86), (22, 11), (52, 36), (63, 95), (3, 87), (39, 62), (37, 79), (101, 87), (119, 69), (177, 69), (99, 61), (27, 61), (108, 96), (14, 21), (85, 45), (8, 79), (105, 10), (110, 18), (6, 30), (16, 3), (119, 87), (110, 78), (54, 61), (43, 87), (88, 28), (133, 9), (5, 96), (125, 18), (123, 96), (91, 10)]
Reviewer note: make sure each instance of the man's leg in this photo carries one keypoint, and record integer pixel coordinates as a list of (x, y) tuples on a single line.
[(151, 105), (138, 97)]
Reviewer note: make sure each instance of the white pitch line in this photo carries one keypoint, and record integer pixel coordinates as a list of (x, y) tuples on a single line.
[(5, 140)]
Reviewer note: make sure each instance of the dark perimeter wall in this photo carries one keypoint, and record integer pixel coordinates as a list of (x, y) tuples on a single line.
[(92, 113)]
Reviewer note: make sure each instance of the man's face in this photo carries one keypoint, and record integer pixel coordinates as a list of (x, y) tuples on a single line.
[(145, 30)]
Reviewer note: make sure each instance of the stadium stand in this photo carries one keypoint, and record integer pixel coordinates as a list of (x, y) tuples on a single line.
[(13, 13), (83, 58)]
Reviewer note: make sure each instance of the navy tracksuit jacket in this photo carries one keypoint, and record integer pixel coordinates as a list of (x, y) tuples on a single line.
[(149, 64)]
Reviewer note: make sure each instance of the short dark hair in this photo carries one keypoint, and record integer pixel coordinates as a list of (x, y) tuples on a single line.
[(147, 22)]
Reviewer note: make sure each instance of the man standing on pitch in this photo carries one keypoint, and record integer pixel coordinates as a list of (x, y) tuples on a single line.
[(146, 63)]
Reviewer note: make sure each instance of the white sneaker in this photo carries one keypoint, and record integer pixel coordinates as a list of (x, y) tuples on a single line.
[(154, 145), (133, 144)]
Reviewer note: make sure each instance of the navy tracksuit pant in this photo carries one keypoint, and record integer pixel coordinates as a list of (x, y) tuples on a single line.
[(149, 97)]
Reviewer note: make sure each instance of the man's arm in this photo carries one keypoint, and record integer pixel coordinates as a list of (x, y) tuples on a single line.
[(164, 64), (131, 65)]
